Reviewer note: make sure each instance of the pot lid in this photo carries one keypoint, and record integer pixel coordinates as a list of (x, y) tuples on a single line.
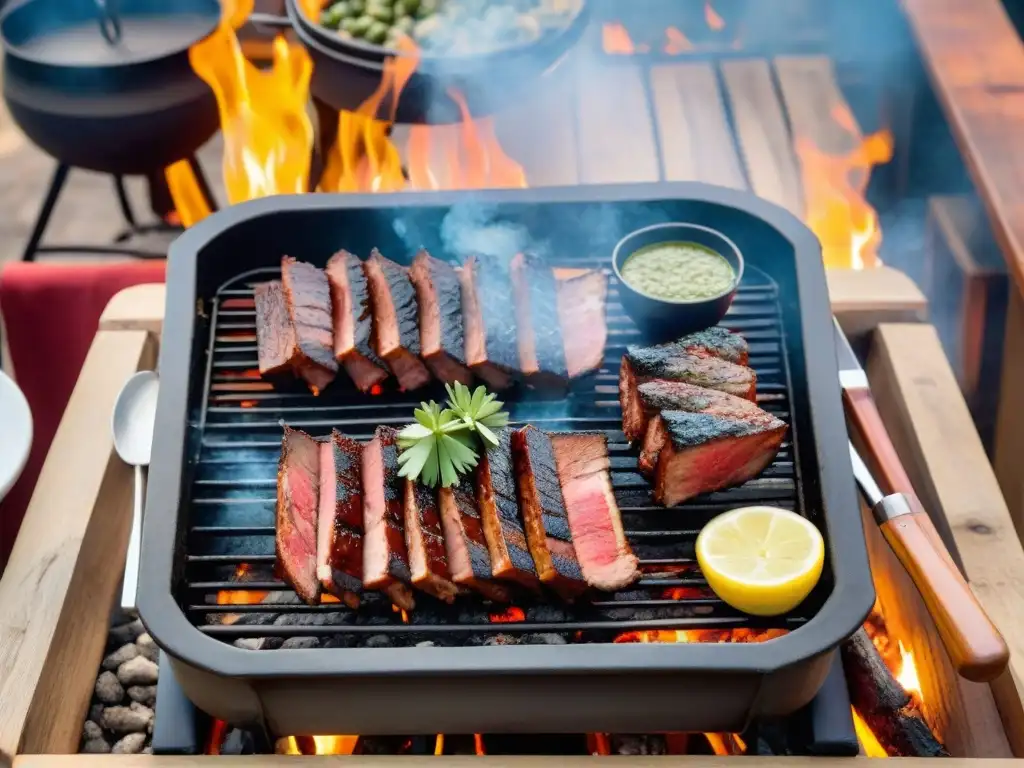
[(105, 33)]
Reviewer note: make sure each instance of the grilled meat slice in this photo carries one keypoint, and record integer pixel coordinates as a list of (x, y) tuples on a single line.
[(275, 334), (395, 320), (541, 350), (353, 321), (468, 558), (544, 515), (298, 501), (339, 545), (489, 321), (581, 313), (428, 561), (705, 452), (385, 557), (439, 295), (605, 557), (308, 299), (503, 531), (715, 342)]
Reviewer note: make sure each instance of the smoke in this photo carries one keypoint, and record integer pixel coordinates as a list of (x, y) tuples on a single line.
[(475, 229)]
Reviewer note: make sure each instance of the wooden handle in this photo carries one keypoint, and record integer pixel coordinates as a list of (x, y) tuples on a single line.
[(975, 647)]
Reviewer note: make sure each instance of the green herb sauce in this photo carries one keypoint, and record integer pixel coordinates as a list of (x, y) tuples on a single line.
[(678, 271)]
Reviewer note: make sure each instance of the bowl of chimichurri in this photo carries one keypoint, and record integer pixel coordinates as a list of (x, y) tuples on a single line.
[(676, 278)]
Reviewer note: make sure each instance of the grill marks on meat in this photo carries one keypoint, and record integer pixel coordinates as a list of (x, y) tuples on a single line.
[(716, 342), (385, 557), (307, 297), (339, 550), (439, 295), (705, 452), (604, 554), (581, 305), (298, 499), (489, 321), (352, 320), (673, 364), (468, 559), (395, 320), (544, 515), (496, 495), (428, 561), (541, 350)]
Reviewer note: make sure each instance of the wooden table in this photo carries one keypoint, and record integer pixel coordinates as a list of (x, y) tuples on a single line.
[(64, 571)]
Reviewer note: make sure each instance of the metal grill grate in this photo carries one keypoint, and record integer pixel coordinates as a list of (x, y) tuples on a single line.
[(236, 437)]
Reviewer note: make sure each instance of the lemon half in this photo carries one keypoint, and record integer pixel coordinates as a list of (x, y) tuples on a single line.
[(761, 560)]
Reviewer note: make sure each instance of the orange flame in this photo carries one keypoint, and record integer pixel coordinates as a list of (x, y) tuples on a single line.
[(316, 745), (676, 42), (510, 615), (726, 744), (478, 744), (241, 596), (907, 675), (714, 21), (615, 39), (869, 743)]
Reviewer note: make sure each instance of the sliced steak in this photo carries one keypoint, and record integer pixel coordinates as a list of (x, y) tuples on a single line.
[(489, 321), (468, 558), (716, 342), (541, 349), (705, 452), (395, 320), (385, 557), (439, 295), (581, 313), (275, 334), (307, 296), (544, 515), (604, 554), (339, 546), (298, 502), (496, 495), (428, 561), (353, 321)]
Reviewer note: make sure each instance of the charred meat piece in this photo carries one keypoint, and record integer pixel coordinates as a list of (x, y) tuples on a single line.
[(581, 313), (468, 558), (298, 502), (428, 561), (439, 295), (353, 321), (715, 342), (541, 350), (544, 515), (496, 495), (339, 545), (705, 452), (489, 321), (604, 554), (385, 557), (308, 299), (275, 334), (395, 320)]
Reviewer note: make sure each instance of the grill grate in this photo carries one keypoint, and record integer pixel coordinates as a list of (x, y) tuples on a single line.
[(236, 438)]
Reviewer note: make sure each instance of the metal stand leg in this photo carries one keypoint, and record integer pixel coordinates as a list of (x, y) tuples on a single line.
[(60, 176), (124, 202)]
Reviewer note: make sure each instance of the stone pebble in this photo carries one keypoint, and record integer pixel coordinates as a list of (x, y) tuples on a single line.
[(120, 656), (148, 648), (131, 744), (108, 688), (144, 694), (125, 720), (138, 671), (96, 747), (91, 731)]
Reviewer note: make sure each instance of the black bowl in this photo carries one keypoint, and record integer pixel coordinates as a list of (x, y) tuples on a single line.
[(667, 319)]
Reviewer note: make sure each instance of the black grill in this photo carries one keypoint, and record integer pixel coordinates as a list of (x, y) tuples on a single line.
[(232, 525)]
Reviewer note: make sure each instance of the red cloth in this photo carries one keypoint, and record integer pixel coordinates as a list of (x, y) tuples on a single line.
[(51, 312)]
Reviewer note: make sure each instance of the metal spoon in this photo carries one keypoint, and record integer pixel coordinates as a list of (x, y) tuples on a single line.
[(132, 424)]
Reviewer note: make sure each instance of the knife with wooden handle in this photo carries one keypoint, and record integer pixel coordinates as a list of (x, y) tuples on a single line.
[(975, 647)]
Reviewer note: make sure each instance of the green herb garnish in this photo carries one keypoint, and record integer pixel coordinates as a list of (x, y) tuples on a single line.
[(443, 444)]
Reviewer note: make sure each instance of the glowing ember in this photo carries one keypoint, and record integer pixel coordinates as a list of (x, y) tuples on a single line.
[(615, 39), (714, 21), (478, 744), (239, 596), (701, 636), (869, 745), (599, 744), (316, 745), (510, 615)]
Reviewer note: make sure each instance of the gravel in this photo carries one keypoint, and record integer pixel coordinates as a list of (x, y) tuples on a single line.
[(138, 671), (109, 689)]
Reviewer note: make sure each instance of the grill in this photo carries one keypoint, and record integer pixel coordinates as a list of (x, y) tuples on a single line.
[(545, 666)]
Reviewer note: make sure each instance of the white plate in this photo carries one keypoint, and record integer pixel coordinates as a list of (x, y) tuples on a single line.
[(15, 433)]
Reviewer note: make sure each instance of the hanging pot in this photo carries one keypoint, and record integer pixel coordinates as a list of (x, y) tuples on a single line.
[(106, 84)]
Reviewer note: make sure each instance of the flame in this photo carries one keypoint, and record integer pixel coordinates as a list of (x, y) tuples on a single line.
[(511, 615), (240, 596), (478, 744), (439, 745), (700, 636), (599, 744), (676, 42), (316, 745), (218, 730), (834, 186), (615, 39), (907, 676), (190, 202), (869, 744), (726, 744), (714, 21)]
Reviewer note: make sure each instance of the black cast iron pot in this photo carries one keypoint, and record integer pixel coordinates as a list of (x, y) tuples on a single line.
[(109, 89)]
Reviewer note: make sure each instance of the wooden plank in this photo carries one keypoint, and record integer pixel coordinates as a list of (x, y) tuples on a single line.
[(976, 61), (1009, 440), (616, 138), (139, 308), (811, 95), (931, 428), (864, 298), (763, 134), (696, 140), (61, 579)]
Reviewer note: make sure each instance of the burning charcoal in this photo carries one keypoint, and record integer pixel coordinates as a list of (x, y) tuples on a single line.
[(645, 744), (108, 688), (120, 656), (470, 615), (96, 747), (144, 694), (300, 643), (138, 671), (131, 744), (148, 648), (544, 638), (126, 720), (340, 641), (91, 730), (378, 641), (501, 640), (545, 613)]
